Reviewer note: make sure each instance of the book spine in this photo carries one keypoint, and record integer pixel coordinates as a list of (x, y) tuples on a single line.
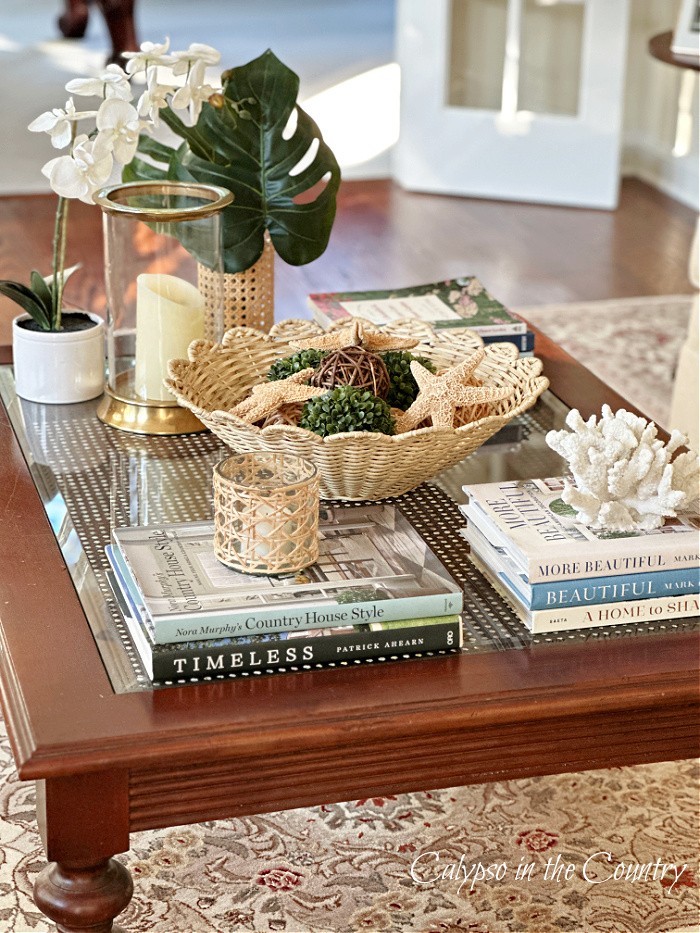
[(639, 610), (573, 564), (524, 342), (326, 316), (180, 627), (592, 590), (484, 330), (174, 662)]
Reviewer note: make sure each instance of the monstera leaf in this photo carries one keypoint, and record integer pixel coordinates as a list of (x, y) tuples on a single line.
[(244, 140)]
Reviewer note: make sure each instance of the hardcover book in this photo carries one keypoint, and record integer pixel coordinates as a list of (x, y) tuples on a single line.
[(557, 594), (529, 520), (373, 567), (462, 302), (567, 618), (298, 650)]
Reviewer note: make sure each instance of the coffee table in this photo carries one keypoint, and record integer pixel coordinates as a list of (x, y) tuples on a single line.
[(111, 755)]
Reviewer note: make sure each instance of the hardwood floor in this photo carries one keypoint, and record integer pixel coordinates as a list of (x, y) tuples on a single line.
[(386, 237)]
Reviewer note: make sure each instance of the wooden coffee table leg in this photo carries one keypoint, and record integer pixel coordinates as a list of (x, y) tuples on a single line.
[(84, 821)]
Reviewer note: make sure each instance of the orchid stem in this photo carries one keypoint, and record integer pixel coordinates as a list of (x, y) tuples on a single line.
[(59, 257)]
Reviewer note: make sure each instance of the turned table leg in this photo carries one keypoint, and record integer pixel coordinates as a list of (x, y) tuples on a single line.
[(83, 899), (84, 821)]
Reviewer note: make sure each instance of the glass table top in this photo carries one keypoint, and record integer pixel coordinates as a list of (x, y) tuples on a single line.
[(92, 478)]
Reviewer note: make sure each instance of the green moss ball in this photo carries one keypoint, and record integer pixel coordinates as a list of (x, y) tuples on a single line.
[(347, 408), (288, 365), (403, 388)]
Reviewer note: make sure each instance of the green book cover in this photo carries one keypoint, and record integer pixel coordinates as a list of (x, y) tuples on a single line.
[(462, 302)]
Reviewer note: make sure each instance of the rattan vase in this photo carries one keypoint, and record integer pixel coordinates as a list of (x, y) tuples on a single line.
[(352, 465), (249, 296)]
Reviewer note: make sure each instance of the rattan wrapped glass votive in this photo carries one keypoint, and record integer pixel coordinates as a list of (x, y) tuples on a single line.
[(266, 512)]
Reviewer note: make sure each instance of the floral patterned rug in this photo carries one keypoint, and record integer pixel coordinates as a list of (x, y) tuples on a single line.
[(614, 851), (647, 333)]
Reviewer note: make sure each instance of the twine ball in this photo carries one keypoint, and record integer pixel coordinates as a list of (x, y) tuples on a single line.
[(353, 366)]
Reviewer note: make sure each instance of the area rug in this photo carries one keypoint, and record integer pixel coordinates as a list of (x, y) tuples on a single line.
[(632, 344), (609, 850)]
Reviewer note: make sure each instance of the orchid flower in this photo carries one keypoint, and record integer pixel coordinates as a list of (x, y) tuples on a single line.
[(118, 127), (197, 52), (155, 97), (194, 92), (114, 140), (152, 53), (79, 175), (58, 123), (113, 82)]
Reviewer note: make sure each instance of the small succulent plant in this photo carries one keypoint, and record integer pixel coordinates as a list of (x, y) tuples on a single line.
[(403, 388), (347, 408), (288, 365)]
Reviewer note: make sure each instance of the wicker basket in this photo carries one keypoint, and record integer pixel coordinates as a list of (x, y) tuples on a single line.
[(359, 465), (249, 296)]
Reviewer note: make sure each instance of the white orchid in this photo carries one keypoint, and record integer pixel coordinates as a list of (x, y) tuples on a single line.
[(194, 92), (118, 127), (59, 123), (112, 82), (80, 174), (152, 53), (197, 52), (155, 97)]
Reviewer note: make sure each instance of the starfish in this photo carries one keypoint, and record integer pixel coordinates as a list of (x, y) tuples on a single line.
[(440, 396), (267, 397), (357, 334)]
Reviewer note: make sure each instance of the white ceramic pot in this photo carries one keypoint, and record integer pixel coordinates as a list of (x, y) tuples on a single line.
[(58, 367)]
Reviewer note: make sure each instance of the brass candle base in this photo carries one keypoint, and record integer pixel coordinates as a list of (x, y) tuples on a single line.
[(150, 416)]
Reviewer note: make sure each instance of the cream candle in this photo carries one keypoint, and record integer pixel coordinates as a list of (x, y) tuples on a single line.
[(169, 316)]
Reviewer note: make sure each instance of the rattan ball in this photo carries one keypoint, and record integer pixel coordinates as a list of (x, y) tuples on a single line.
[(353, 366)]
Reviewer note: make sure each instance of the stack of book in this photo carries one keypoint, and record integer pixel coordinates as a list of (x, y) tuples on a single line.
[(376, 592), (462, 302), (557, 574)]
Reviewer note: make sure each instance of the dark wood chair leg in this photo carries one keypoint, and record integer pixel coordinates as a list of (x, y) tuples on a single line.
[(84, 821), (74, 19), (119, 16)]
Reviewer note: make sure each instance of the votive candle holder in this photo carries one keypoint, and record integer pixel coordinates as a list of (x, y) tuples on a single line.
[(266, 512)]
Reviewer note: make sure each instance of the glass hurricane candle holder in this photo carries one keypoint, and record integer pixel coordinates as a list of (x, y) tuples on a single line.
[(160, 240), (266, 512)]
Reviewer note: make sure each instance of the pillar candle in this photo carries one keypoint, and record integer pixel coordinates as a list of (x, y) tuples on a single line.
[(169, 316)]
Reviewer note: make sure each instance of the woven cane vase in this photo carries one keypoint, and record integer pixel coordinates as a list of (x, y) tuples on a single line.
[(249, 296), (352, 465)]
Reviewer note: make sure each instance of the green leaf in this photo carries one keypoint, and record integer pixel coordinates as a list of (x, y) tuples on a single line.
[(559, 507), (156, 150), (27, 300), (250, 157), (42, 291)]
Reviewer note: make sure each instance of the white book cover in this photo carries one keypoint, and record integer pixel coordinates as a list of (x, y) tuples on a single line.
[(539, 530), (372, 566)]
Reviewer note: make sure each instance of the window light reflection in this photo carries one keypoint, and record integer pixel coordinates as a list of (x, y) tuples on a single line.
[(359, 117)]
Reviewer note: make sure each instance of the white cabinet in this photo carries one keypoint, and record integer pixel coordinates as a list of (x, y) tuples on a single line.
[(512, 99)]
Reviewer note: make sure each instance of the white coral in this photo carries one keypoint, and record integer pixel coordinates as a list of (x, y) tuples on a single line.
[(625, 477)]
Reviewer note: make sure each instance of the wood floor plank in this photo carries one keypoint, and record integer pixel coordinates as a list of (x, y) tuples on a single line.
[(386, 237)]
